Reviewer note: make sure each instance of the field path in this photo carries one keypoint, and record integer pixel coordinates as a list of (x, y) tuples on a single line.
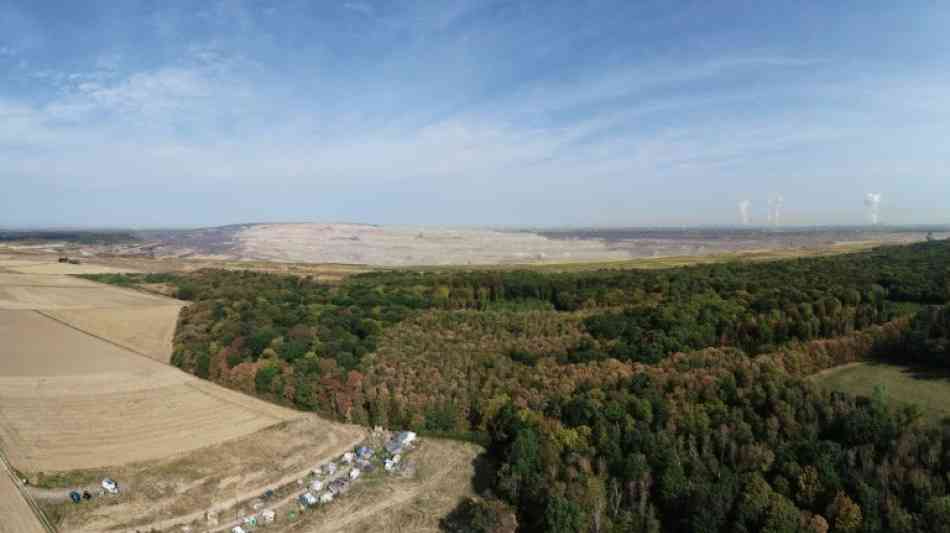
[(18, 512)]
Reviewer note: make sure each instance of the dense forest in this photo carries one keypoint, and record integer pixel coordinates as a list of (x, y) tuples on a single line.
[(669, 400)]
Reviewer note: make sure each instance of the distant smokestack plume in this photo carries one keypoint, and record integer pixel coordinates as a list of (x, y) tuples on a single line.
[(775, 209), (872, 201), (744, 211)]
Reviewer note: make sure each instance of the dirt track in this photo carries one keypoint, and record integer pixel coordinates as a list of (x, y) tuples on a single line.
[(15, 515)]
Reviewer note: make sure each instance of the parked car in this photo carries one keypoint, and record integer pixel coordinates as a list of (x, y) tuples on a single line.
[(111, 486), (75, 496), (307, 500)]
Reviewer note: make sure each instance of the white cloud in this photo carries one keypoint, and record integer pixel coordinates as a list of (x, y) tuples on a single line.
[(360, 7)]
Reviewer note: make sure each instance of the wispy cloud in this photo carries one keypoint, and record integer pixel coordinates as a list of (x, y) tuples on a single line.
[(360, 7)]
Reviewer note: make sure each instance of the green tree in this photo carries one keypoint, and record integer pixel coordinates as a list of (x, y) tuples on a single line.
[(264, 378), (937, 513), (564, 516)]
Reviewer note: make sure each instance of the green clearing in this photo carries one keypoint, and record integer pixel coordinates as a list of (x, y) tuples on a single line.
[(926, 389)]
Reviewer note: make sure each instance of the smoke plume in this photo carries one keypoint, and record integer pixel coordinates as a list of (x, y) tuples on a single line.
[(744, 211), (872, 201), (775, 209)]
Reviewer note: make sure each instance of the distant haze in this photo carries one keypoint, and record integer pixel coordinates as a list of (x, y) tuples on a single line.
[(465, 112)]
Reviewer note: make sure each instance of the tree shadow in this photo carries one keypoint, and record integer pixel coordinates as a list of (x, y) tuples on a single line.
[(913, 369), (463, 517), (486, 468)]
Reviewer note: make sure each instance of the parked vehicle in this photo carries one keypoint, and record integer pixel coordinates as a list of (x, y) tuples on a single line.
[(111, 486)]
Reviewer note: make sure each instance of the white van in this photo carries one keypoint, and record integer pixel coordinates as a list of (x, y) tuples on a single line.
[(111, 486)]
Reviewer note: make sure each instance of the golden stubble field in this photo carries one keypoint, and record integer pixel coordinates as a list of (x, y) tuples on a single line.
[(81, 385)]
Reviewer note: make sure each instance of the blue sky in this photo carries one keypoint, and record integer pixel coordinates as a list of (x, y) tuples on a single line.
[(164, 113)]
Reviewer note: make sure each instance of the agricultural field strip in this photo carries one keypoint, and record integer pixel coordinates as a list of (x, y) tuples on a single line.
[(46, 286), (101, 338), (241, 401), (51, 298), (58, 387), (29, 291), (19, 513), (97, 431), (148, 331)]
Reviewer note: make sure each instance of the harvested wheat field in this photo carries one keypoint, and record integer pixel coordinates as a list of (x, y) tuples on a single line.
[(73, 431), (15, 514), (46, 264), (72, 397), (144, 330), (66, 269), (69, 400), (66, 295)]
